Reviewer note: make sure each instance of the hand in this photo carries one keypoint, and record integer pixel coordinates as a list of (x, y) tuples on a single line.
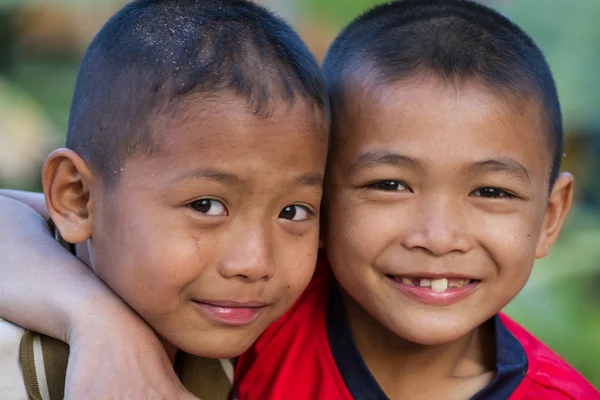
[(117, 356)]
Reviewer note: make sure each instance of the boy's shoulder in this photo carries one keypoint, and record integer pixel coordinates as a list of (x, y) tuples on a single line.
[(12, 385), (31, 365), (548, 376), (34, 366)]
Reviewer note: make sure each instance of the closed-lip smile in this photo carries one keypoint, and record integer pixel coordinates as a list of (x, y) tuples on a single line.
[(231, 312)]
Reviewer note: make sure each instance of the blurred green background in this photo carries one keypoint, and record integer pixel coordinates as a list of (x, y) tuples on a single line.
[(41, 43)]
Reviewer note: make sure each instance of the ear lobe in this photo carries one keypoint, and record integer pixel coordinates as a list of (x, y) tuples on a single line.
[(559, 205), (67, 179)]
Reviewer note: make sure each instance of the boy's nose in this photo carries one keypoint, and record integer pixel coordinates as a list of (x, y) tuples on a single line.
[(248, 257), (437, 228)]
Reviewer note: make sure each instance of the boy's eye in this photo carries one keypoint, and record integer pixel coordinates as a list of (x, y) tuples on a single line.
[(492, 193), (296, 213), (390, 186), (209, 207)]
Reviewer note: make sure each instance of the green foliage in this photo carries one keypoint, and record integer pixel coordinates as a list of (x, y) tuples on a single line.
[(339, 12), (54, 93), (560, 304), (567, 32)]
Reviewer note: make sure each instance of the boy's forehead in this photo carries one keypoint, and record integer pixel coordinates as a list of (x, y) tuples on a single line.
[(214, 127), (194, 112), (371, 102), (441, 111)]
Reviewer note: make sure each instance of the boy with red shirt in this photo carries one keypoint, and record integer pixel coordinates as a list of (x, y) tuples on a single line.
[(443, 188)]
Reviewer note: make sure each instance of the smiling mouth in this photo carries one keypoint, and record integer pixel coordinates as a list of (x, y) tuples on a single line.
[(438, 285), (230, 313), (435, 290)]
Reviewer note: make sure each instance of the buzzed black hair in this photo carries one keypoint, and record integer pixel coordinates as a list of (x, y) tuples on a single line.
[(457, 41), (152, 53)]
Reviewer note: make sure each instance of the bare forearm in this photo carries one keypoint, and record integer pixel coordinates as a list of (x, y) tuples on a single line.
[(44, 287), (32, 199)]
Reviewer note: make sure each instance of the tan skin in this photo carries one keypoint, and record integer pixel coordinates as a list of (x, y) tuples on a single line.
[(426, 177), (225, 210)]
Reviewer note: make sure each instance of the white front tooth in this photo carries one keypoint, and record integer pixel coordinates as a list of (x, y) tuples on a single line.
[(425, 283), (439, 285)]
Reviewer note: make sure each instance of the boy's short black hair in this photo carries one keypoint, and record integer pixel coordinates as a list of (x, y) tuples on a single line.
[(152, 53), (454, 40)]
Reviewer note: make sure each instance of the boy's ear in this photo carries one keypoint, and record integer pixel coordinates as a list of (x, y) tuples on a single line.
[(67, 180), (559, 205)]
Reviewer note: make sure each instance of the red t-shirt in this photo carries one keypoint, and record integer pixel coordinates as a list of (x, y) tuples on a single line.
[(293, 359)]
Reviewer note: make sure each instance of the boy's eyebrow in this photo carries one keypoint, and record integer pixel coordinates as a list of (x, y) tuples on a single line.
[(315, 180), (374, 157), (503, 164), (210, 173)]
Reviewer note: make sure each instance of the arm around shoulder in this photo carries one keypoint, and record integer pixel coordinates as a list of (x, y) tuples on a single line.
[(44, 287), (32, 199)]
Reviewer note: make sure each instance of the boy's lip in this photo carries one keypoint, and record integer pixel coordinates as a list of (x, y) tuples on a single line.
[(230, 312), (430, 297), (232, 304)]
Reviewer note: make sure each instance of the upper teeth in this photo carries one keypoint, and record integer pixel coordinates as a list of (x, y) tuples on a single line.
[(439, 285)]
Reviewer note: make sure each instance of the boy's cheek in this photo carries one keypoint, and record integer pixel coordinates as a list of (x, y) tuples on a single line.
[(297, 266)]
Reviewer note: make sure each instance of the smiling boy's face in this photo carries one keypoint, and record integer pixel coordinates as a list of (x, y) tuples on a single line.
[(215, 235), (438, 205)]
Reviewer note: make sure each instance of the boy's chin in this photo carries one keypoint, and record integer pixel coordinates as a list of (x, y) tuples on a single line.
[(217, 344), (438, 333)]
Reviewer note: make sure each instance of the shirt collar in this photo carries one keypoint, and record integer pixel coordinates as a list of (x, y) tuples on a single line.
[(511, 361)]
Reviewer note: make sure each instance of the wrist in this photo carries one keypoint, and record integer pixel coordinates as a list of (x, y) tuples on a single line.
[(95, 309)]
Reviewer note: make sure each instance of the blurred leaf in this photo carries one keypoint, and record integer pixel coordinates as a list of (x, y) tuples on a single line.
[(53, 94), (568, 33), (26, 136), (560, 302)]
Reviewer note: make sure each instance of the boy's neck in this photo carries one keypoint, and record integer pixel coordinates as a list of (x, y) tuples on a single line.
[(170, 349), (406, 369)]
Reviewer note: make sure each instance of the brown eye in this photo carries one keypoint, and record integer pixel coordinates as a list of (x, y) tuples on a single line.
[(492, 193), (209, 207), (296, 213), (389, 186)]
